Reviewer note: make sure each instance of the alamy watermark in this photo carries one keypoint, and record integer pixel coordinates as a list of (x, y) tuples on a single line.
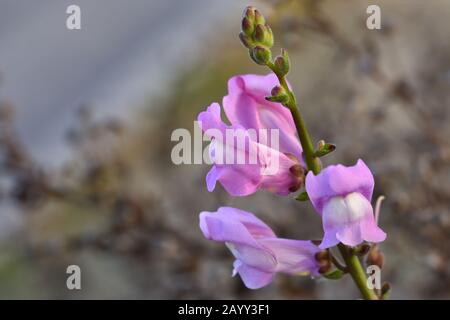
[(374, 277), (73, 281), (73, 21), (231, 146), (373, 22)]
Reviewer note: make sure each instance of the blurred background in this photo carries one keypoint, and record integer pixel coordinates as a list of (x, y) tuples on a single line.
[(86, 118)]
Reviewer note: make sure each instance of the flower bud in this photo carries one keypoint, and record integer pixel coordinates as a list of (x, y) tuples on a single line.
[(334, 275), (261, 55), (268, 36), (278, 95), (385, 291), (325, 266), (247, 26), (249, 13), (320, 144), (282, 63), (323, 259), (296, 185), (303, 196), (297, 170), (322, 255), (259, 18), (263, 35), (259, 33), (324, 148), (375, 257), (246, 40)]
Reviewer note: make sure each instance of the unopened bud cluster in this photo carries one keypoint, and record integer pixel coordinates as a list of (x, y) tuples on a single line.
[(257, 36)]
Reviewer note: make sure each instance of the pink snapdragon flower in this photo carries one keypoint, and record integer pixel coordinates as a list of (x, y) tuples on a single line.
[(277, 168), (342, 196), (259, 253)]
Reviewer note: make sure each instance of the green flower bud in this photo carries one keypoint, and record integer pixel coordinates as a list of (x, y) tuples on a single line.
[(385, 291), (334, 275), (263, 35), (278, 91), (324, 148), (268, 36), (303, 196), (246, 40), (278, 95), (247, 26), (322, 255), (261, 55), (259, 33), (325, 266), (282, 63), (249, 13), (321, 144), (259, 18)]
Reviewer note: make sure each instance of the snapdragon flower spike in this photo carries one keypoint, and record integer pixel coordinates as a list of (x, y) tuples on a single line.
[(259, 253), (276, 168), (342, 196)]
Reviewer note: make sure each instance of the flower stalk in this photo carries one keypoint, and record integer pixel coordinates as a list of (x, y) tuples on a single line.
[(356, 270), (259, 49), (312, 162), (341, 195)]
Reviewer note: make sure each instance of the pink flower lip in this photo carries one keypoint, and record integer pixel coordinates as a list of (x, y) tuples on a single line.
[(342, 195)]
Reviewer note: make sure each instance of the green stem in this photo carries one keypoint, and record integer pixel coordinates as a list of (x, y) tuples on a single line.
[(353, 265), (312, 162), (356, 270)]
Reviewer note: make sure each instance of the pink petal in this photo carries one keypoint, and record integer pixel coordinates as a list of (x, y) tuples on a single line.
[(269, 169), (350, 234), (260, 258), (211, 178), (227, 218), (219, 228), (253, 278), (245, 105), (370, 231), (350, 220), (338, 180), (329, 239), (293, 256)]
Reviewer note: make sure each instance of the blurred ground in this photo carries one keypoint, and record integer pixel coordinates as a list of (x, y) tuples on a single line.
[(122, 56), (122, 211)]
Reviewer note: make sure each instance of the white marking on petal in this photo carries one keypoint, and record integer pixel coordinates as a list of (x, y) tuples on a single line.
[(340, 210), (357, 205)]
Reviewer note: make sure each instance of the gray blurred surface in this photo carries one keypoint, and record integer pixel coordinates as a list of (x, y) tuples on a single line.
[(125, 52)]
